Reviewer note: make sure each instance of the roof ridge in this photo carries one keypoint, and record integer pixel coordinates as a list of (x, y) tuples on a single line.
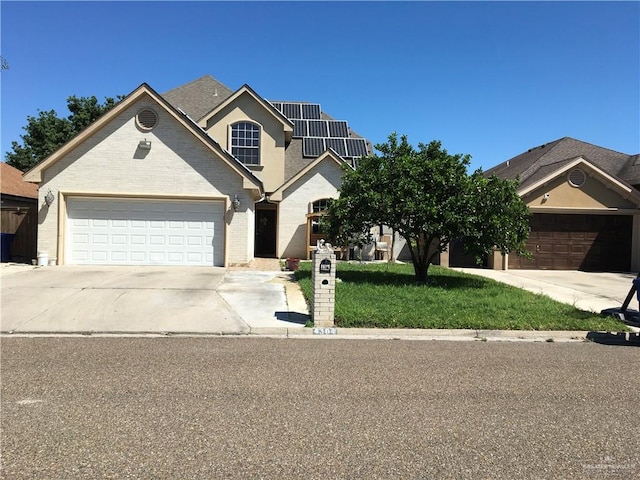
[(535, 165), (206, 75), (597, 146)]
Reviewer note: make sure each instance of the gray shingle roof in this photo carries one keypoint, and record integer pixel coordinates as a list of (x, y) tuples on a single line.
[(198, 97), (539, 162)]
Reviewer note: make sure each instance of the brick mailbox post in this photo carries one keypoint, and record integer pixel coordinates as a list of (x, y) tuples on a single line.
[(323, 287)]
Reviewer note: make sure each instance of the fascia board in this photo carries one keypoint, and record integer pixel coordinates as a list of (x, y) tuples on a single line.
[(621, 187), (276, 196), (286, 123)]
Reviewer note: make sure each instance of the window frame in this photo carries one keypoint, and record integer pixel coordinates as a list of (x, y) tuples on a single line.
[(235, 141)]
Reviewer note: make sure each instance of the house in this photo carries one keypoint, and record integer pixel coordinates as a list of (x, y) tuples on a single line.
[(201, 175), (585, 207), (19, 216)]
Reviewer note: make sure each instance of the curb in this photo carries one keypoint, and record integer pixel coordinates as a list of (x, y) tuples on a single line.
[(553, 336), (452, 335)]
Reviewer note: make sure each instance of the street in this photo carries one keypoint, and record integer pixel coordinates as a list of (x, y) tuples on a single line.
[(275, 408)]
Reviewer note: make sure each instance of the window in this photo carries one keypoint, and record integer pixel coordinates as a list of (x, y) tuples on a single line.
[(245, 142), (321, 205)]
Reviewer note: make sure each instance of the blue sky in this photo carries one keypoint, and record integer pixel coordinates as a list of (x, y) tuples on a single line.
[(491, 79)]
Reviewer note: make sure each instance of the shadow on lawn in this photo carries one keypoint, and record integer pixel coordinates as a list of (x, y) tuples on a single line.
[(380, 277)]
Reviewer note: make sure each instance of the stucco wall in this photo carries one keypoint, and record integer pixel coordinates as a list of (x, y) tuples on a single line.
[(592, 195), (272, 137), (178, 164), (322, 181)]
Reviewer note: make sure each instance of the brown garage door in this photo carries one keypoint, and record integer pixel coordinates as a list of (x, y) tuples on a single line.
[(578, 242)]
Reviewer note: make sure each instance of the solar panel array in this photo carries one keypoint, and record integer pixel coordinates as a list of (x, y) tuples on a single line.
[(345, 147), (317, 134)]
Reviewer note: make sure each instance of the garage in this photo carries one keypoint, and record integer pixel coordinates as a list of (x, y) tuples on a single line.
[(578, 242), (119, 231)]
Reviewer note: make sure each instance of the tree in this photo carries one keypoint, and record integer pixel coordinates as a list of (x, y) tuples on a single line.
[(427, 197), (4, 65), (47, 132)]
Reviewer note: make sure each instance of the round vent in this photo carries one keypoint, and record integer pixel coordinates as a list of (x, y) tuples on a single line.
[(147, 119), (577, 177)]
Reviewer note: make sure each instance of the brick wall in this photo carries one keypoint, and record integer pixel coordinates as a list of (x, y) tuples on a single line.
[(321, 182)]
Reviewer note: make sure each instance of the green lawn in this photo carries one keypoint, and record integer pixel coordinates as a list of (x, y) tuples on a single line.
[(385, 296)]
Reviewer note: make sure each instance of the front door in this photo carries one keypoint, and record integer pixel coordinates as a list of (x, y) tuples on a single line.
[(266, 220)]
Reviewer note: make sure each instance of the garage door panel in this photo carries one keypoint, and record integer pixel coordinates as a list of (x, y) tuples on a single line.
[(119, 231), (578, 242)]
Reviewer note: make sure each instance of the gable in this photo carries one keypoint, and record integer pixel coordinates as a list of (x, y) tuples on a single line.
[(112, 143), (245, 108), (327, 170), (580, 185)]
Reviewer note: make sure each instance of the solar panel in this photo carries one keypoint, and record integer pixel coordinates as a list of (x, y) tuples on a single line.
[(277, 105), (300, 128), (292, 110), (356, 147), (312, 147), (318, 128), (338, 128), (311, 111), (338, 145)]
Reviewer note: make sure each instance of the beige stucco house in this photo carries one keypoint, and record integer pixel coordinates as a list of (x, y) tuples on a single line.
[(585, 207), (200, 175)]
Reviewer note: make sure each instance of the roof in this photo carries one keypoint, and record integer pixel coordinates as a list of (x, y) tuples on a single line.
[(205, 96), (541, 161), (198, 97), (12, 183)]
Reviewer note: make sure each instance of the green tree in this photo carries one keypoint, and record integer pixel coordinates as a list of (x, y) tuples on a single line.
[(47, 132), (427, 197)]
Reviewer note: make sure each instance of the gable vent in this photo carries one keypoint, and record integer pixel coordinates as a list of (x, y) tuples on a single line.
[(577, 177), (147, 119)]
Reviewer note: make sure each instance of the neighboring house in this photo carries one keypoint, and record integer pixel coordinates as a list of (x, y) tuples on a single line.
[(19, 221), (585, 206), (198, 176)]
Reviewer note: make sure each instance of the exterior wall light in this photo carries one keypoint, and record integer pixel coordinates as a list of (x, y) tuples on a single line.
[(49, 198), (145, 144), (236, 203)]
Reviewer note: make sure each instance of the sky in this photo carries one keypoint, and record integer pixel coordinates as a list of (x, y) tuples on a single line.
[(489, 79)]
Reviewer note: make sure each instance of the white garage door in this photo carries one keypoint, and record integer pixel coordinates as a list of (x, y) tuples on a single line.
[(144, 232)]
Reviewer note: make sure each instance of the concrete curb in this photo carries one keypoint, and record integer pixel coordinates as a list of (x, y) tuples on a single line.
[(452, 335), (612, 338)]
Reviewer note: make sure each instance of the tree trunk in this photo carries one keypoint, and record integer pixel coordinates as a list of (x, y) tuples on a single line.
[(420, 269), (420, 260)]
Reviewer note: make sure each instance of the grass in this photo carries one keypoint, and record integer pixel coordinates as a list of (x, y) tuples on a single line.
[(385, 296)]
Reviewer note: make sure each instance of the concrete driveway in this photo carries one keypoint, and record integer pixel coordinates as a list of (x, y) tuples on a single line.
[(146, 299), (590, 291)]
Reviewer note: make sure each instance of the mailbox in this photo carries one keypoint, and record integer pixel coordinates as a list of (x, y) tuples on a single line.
[(323, 284), (325, 266)]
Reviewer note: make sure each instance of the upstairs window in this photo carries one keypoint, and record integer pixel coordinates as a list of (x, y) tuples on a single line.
[(320, 205), (245, 142)]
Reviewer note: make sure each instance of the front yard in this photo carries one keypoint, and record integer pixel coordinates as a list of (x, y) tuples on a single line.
[(385, 296)]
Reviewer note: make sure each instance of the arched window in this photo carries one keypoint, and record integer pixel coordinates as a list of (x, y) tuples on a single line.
[(245, 142)]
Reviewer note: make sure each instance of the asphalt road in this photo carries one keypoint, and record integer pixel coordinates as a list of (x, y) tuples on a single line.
[(206, 408)]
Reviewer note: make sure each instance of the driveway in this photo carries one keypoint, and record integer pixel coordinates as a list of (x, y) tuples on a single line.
[(89, 299), (591, 291)]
